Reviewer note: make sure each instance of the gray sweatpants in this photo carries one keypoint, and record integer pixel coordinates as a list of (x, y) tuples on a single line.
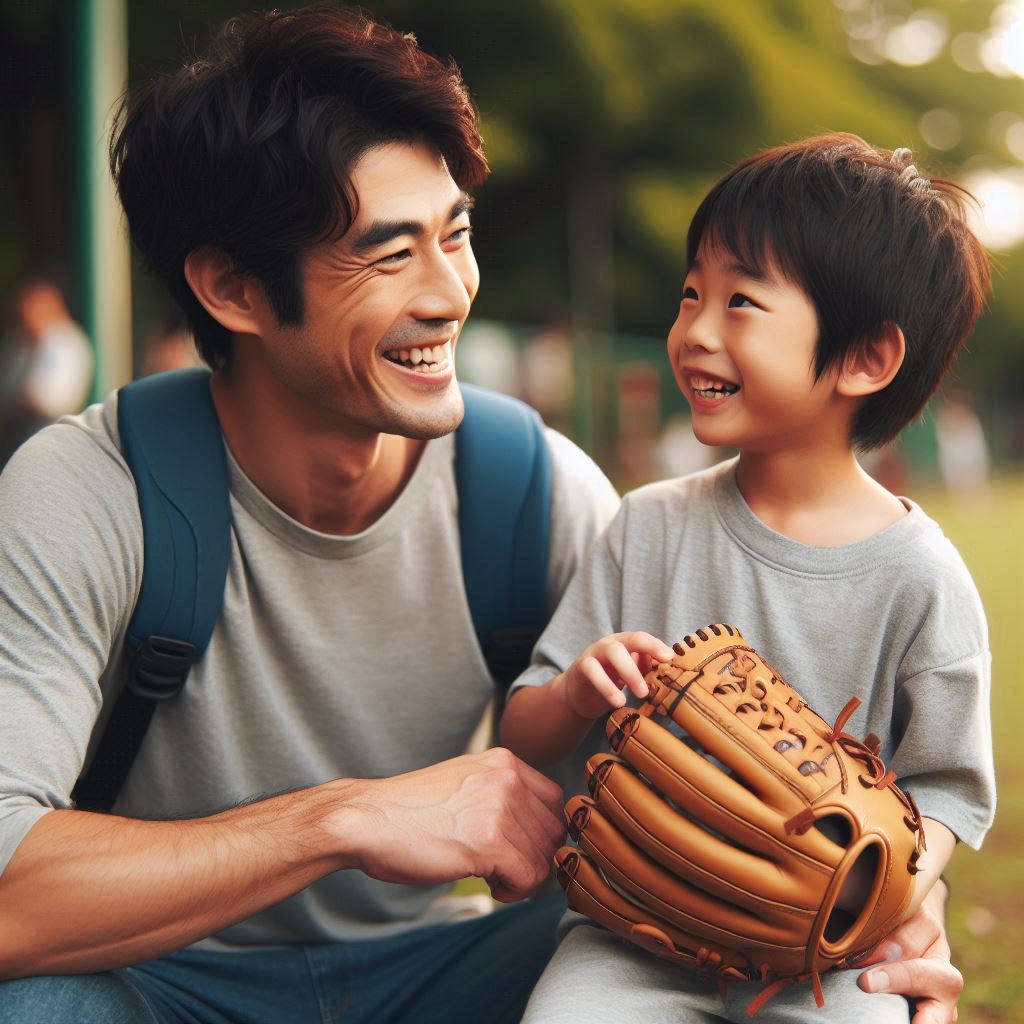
[(597, 977)]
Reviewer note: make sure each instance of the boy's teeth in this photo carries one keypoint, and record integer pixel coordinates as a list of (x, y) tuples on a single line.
[(708, 388)]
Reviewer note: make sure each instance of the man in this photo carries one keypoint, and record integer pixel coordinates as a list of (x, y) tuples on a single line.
[(303, 191)]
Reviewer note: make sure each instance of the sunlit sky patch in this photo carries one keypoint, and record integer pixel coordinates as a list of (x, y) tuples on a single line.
[(878, 34)]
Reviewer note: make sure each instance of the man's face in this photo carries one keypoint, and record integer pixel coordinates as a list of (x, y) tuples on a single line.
[(384, 305)]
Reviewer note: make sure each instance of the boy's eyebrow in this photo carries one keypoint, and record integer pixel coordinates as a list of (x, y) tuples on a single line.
[(383, 231), (748, 270), (737, 266)]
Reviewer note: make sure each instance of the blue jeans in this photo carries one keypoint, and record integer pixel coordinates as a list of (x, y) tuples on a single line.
[(480, 970)]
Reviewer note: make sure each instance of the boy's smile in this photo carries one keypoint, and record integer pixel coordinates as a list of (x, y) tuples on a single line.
[(742, 350), (710, 389)]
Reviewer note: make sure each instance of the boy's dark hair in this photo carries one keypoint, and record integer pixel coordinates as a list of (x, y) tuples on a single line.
[(248, 150), (871, 242)]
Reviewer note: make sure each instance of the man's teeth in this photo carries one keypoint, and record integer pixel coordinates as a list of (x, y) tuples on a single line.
[(717, 390), (432, 359)]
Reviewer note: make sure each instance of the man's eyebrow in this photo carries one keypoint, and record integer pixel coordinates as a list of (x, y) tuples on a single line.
[(382, 231)]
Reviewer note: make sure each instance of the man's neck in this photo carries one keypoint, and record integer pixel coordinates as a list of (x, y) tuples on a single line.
[(819, 496), (330, 476)]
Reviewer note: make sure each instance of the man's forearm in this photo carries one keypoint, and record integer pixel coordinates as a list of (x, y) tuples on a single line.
[(87, 892)]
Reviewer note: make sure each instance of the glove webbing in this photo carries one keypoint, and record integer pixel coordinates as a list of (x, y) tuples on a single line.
[(866, 751)]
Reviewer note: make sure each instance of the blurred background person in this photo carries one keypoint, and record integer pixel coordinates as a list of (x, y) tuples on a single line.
[(963, 454), (52, 363), (171, 348), (548, 372)]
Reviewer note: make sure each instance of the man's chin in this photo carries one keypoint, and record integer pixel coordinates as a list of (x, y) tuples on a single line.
[(428, 423)]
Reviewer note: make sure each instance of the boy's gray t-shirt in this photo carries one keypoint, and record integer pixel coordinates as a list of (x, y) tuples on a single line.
[(894, 620), (333, 657)]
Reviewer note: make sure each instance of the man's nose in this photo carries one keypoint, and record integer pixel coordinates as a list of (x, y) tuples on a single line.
[(446, 290)]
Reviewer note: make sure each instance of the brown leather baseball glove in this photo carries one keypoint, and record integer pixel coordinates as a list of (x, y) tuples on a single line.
[(767, 845)]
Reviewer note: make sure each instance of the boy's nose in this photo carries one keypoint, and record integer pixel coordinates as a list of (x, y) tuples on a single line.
[(702, 333)]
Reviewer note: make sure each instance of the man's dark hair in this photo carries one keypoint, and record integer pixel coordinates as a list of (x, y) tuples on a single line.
[(248, 150), (870, 241)]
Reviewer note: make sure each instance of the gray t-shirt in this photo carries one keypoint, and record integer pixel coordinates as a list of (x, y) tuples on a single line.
[(333, 657), (894, 620)]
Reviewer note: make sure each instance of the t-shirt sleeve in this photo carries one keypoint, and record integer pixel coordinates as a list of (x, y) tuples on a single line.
[(71, 564), (944, 756), (583, 502), (942, 721), (589, 609)]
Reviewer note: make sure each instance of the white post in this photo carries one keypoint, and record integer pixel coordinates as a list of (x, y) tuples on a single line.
[(106, 263)]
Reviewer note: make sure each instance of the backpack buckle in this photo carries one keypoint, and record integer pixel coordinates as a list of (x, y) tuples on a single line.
[(160, 667)]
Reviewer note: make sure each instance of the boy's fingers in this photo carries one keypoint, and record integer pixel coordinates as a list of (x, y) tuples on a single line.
[(598, 678), (645, 643), (621, 660)]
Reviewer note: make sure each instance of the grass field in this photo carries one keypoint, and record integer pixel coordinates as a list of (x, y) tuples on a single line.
[(987, 910)]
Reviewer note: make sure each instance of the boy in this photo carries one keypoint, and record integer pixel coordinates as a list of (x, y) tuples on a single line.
[(828, 288)]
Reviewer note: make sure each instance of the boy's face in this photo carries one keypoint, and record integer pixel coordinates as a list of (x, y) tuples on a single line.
[(742, 350)]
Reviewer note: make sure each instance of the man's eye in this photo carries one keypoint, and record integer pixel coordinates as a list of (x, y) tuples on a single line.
[(460, 234), (689, 293), (395, 257), (738, 301)]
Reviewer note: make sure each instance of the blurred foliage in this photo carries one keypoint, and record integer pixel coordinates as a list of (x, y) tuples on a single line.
[(654, 99), (606, 121)]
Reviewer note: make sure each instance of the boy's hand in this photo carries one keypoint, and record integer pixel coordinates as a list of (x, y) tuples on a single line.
[(914, 961), (596, 680)]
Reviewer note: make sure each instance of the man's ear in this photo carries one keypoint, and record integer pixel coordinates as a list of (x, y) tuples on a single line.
[(236, 302), (873, 364)]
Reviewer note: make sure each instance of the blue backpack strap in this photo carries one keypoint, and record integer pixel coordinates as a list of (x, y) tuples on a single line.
[(503, 478), (171, 439), (172, 442)]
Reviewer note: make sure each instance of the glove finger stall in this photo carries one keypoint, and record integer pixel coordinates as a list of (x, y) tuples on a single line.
[(771, 886), (715, 799), (588, 893), (670, 898)]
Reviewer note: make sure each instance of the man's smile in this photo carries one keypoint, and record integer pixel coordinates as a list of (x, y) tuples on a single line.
[(423, 359)]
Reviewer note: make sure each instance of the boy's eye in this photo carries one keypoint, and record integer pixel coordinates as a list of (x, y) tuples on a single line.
[(689, 293), (738, 301)]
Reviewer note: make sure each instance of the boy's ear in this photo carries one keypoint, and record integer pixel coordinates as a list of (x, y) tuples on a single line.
[(873, 364), (236, 302)]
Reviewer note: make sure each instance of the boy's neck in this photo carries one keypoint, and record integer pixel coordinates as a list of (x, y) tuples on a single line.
[(815, 497)]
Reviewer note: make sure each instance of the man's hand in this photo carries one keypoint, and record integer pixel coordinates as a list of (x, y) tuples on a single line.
[(489, 815), (914, 961)]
